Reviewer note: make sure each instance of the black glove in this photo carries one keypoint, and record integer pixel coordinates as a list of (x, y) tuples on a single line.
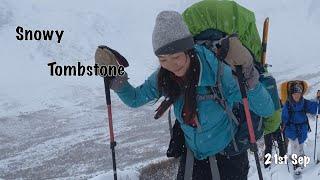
[(177, 145)]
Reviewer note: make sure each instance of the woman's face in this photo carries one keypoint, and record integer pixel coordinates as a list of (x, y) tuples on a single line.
[(177, 63), (296, 96)]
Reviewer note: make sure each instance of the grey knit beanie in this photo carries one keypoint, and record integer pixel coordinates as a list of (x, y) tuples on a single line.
[(171, 34)]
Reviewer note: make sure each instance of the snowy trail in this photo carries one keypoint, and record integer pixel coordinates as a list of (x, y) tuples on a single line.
[(63, 143)]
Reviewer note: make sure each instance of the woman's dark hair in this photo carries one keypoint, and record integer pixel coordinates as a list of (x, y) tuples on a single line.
[(168, 84), (171, 86)]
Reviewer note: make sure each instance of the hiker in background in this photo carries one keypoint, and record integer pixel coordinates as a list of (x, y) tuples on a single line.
[(186, 71), (295, 120), (277, 136), (270, 140)]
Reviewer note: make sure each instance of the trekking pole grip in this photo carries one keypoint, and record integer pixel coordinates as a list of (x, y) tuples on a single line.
[(241, 80), (253, 146), (242, 86)]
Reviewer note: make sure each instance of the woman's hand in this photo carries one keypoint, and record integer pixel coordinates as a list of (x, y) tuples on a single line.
[(106, 56), (234, 53)]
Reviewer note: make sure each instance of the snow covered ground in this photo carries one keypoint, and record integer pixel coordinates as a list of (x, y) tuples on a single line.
[(55, 127)]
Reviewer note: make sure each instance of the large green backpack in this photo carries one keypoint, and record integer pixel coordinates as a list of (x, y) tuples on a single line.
[(226, 16), (210, 20)]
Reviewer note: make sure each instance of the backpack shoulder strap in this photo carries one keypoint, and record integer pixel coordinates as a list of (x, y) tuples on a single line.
[(305, 106), (290, 111), (305, 112), (288, 106), (227, 108), (217, 92)]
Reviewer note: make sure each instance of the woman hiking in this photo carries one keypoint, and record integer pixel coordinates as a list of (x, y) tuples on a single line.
[(295, 120), (186, 71)]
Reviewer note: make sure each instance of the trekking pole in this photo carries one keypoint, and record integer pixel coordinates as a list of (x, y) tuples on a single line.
[(284, 144), (284, 147), (315, 135), (254, 147), (103, 60), (170, 122), (275, 146), (112, 141), (264, 41)]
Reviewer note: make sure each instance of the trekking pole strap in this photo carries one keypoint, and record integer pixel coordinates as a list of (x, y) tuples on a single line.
[(188, 170), (214, 168), (170, 123)]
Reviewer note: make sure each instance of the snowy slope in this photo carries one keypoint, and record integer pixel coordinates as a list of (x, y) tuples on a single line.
[(54, 127)]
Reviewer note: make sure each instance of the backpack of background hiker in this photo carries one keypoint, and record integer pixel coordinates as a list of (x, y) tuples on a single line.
[(211, 20)]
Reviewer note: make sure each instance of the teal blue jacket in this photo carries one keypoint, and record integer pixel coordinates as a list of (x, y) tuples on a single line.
[(214, 133)]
